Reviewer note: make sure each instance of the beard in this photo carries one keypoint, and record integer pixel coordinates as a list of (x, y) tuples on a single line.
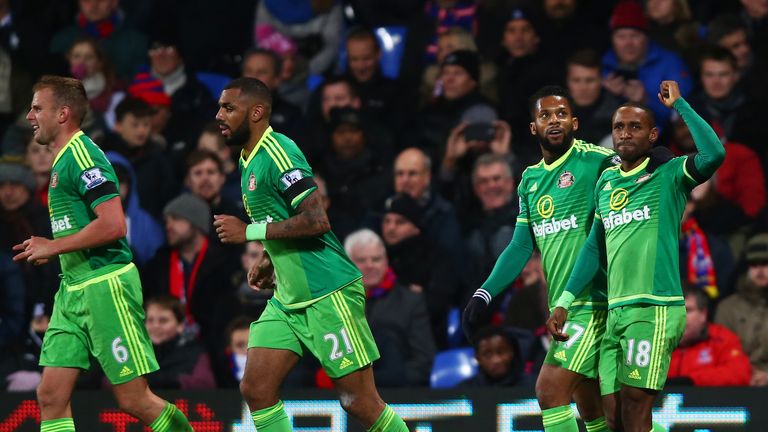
[(239, 136), (558, 149)]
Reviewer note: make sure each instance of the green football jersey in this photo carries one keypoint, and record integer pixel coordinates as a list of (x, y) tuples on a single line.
[(641, 215), (81, 179), (275, 179), (555, 204)]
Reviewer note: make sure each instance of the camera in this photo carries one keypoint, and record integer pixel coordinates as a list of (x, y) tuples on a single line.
[(484, 132)]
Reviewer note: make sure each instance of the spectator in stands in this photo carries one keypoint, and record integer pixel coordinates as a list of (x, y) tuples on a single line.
[(460, 75), (445, 14), (40, 160), (418, 263), (205, 179), (183, 362), (755, 14), (491, 231), (145, 235), (740, 180), (294, 69), (744, 311), (213, 141), (265, 65), (252, 301), (356, 177), (730, 32), (151, 91), (315, 26), (19, 367), (724, 103), (196, 271), (708, 354), (397, 316), (339, 92), (155, 180), (237, 334), (413, 176), (499, 360), (455, 39), (22, 216), (670, 24), (89, 64), (635, 65), (561, 20), (479, 133), (593, 105), (379, 95), (192, 105), (103, 21)]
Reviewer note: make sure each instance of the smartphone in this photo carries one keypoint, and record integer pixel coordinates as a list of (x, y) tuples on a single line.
[(626, 72), (484, 132)]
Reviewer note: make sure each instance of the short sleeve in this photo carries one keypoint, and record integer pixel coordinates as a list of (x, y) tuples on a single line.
[(293, 176), (94, 177)]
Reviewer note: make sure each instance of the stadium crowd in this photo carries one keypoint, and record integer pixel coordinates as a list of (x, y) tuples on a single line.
[(415, 118)]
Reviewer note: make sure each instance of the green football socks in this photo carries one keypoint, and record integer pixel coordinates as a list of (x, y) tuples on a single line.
[(58, 425), (272, 419), (171, 420), (559, 419)]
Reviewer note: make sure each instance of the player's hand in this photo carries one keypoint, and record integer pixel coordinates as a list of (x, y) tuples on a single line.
[(231, 230), (556, 322), (759, 378), (475, 309), (262, 273), (503, 138), (669, 92), (35, 250)]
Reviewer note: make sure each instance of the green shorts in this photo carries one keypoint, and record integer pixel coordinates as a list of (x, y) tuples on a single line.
[(101, 318), (333, 329), (580, 352), (638, 345)]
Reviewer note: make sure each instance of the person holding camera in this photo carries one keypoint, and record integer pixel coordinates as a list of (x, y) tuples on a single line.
[(635, 65)]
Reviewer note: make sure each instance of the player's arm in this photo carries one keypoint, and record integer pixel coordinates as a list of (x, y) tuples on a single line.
[(108, 227), (584, 270), (505, 271), (310, 220), (710, 151)]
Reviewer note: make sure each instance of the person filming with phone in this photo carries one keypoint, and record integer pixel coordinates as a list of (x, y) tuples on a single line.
[(635, 65)]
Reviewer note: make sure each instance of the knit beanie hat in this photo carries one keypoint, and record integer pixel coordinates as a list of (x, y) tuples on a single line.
[(192, 208), (629, 13)]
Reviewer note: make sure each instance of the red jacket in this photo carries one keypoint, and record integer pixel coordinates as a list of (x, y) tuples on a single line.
[(740, 178), (717, 360)]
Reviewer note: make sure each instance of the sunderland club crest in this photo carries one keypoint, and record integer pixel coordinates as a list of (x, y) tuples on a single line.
[(54, 179), (566, 180), (252, 182)]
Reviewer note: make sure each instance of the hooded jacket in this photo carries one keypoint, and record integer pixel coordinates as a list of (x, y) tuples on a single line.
[(145, 234)]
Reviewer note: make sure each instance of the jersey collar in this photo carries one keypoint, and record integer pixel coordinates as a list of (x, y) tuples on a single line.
[(636, 169), (559, 160), (77, 135), (245, 162)]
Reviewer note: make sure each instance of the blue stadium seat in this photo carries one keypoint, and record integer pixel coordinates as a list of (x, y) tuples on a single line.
[(214, 82), (455, 334), (452, 367)]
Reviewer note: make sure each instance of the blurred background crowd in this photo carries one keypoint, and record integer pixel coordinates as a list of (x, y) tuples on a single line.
[(414, 115)]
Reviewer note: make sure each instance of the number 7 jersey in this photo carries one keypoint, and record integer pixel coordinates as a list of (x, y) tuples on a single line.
[(275, 179)]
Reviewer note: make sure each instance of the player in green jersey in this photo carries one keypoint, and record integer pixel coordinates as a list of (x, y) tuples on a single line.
[(98, 309), (555, 215), (636, 229), (319, 301)]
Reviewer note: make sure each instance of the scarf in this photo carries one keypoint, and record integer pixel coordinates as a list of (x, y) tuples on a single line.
[(99, 30), (179, 287), (386, 284), (701, 269)]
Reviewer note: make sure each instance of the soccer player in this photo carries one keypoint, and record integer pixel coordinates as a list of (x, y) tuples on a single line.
[(636, 228), (98, 309), (319, 301), (556, 213)]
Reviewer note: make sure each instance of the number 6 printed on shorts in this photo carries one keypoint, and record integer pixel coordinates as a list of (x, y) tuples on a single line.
[(120, 352), (335, 353)]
